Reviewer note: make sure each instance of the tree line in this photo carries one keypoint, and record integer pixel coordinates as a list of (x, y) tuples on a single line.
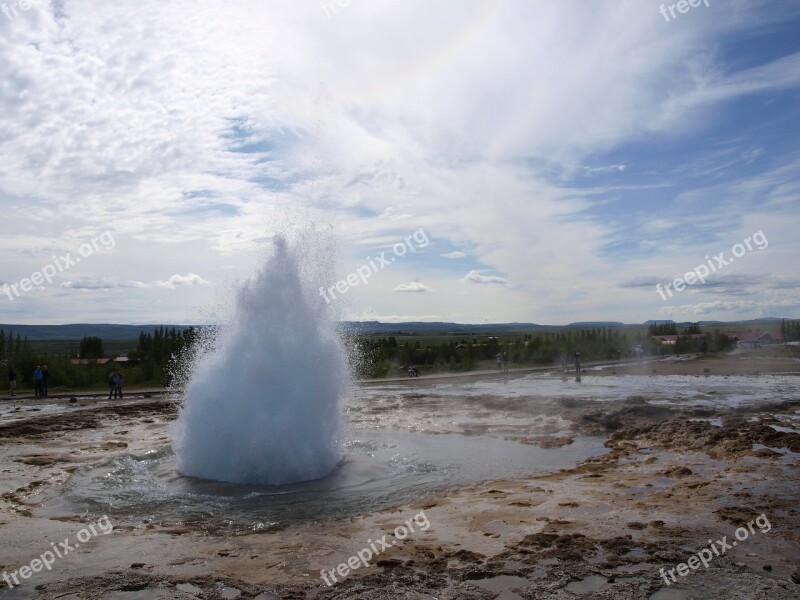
[(151, 363), (375, 356), (790, 330)]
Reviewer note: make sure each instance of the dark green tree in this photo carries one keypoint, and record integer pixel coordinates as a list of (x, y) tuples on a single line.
[(91, 347)]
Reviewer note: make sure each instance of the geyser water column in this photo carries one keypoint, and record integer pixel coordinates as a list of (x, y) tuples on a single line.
[(264, 405)]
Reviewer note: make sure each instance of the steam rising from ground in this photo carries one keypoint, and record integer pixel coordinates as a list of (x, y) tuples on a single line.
[(263, 404)]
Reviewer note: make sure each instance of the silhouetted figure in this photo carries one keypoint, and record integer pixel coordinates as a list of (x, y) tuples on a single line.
[(112, 385), (564, 362), (37, 381), (410, 370), (45, 379), (12, 380), (577, 362)]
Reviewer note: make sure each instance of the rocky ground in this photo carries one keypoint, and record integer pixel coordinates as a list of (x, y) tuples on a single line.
[(675, 481)]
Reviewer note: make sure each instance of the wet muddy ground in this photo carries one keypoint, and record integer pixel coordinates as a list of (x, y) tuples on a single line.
[(690, 458)]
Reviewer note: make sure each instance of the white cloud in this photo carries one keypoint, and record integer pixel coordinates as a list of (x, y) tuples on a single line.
[(475, 277), (175, 281), (414, 286), (604, 170), (180, 280), (192, 137)]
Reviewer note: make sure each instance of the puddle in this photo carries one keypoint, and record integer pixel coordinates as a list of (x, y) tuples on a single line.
[(589, 584), (673, 594), (501, 583)]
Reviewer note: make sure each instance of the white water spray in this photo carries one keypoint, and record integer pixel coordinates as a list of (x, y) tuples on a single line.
[(264, 406)]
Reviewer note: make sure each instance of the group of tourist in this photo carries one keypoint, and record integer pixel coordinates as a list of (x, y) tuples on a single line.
[(565, 360), (115, 385), (41, 377), (502, 362)]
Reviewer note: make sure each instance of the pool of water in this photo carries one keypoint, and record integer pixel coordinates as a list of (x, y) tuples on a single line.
[(380, 468), (404, 443)]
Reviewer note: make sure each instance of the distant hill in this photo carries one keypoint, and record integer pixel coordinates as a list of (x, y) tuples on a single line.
[(752, 322), (77, 331), (430, 328)]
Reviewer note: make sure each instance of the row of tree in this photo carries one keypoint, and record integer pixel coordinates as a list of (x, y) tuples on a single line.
[(158, 354), (375, 356), (790, 331), (152, 363)]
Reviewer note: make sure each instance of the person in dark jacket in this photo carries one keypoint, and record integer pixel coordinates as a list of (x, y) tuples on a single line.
[(112, 385), (37, 381), (45, 378)]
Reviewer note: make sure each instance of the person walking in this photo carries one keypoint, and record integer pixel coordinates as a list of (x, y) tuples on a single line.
[(37, 381), (577, 362), (120, 378), (112, 384), (12, 380), (45, 378)]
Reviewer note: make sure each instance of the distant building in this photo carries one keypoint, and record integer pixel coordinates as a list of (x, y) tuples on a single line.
[(753, 340), (671, 340), (122, 359), (89, 361)]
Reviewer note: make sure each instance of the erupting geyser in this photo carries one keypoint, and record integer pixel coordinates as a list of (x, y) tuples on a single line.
[(263, 406)]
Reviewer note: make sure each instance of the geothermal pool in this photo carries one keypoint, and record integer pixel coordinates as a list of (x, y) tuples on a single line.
[(404, 442)]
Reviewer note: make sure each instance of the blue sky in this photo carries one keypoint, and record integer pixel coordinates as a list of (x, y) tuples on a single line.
[(562, 158)]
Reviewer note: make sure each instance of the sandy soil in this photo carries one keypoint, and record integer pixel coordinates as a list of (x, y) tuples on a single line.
[(674, 480)]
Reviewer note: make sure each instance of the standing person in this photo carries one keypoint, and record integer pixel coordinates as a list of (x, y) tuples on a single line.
[(12, 380), (577, 362), (112, 384), (45, 378), (505, 362), (564, 362), (118, 393), (37, 381), (499, 361)]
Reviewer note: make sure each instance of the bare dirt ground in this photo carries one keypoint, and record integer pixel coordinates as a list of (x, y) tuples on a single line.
[(675, 481)]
